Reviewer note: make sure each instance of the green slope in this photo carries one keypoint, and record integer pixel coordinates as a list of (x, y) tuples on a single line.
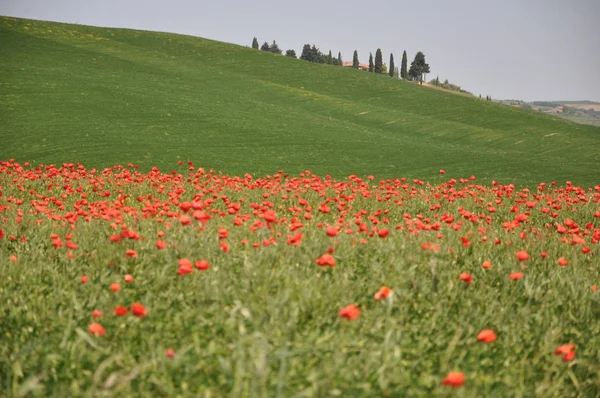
[(99, 96)]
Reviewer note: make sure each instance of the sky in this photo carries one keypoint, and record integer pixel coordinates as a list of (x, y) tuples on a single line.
[(510, 49)]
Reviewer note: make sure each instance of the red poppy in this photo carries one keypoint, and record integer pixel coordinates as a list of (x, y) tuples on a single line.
[(115, 287), (350, 312), (170, 353), (383, 293), (466, 277), (96, 329), (486, 336), (84, 279), (326, 260), (202, 265), (185, 266), (138, 310), (454, 379), (522, 255), (160, 244), (383, 233), (567, 351), (128, 278), (486, 264), (131, 253), (121, 311), (96, 313), (563, 262), (330, 231), (515, 276)]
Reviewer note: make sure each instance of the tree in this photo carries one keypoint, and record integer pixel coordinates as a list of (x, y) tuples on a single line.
[(404, 66), (392, 67), (275, 48), (371, 62), (355, 60), (437, 81), (340, 63), (330, 58), (305, 53), (378, 61), (265, 47), (255, 43), (418, 67), (312, 54), (290, 53)]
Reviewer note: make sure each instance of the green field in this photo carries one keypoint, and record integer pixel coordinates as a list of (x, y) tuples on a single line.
[(71, 93)]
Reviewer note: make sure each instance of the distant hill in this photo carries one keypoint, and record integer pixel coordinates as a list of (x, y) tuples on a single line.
[(100, 96), (583, 112)]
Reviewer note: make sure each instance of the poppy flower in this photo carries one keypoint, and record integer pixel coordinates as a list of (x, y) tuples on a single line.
[(383, 233), (96, 329), (515, 276), (567, 351), (115, 287), (466, 277), (350, 312), (330, 231), (170, 353), (202, 265), (138, 310), (131, 253), (84, 279), (96, 313), (522, 255), (563, 262), (326, 260), (486, 264), (486, 336), (120, 310), (185, 266), (383, 293), (454, 379), (160, 244), (594, 288)]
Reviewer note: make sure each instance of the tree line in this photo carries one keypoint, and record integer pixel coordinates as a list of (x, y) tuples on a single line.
[(418, 70)]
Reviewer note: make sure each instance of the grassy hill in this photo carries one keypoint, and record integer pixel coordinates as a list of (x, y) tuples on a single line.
[(71, 93)]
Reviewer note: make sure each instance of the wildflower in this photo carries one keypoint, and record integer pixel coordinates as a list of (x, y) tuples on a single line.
[(567, 351), (383, 293), (120, 310), (486, 264), (96, 313), (515, 276), (160, 244), (128, 278), (383, 233), (138, 310), (454, 379), (185, 266), (84, 279), (96, 329), (330, 231), (522, 255), (486, 336), (326, 260), (170, 353), (563, 262), (131, 253), (350, 312), (115, 287), (202, 265), (466, 277)]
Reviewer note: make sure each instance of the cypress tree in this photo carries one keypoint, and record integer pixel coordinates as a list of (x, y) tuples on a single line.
[(392, 67), (340, 63), (378, 61), (255, 43), (355, 60), (329, 58), (404, 66), (370, 62)]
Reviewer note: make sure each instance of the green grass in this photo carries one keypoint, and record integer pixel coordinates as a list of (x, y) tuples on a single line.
[(71, 93)]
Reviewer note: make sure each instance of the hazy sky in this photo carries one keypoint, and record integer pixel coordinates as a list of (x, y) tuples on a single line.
[(509, 49)]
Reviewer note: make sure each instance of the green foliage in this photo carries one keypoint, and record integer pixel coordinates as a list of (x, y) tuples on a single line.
[(110, 96), (274, 48), (290, 53), (404, 66), (339, 59), (265, 47), (418, 67), (355, 62), (392, 66), (312, 54), (378, 61), (371, 66), (255, 43), (329, 58)]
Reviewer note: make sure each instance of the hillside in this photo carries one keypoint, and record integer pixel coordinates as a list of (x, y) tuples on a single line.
[(100, 96)]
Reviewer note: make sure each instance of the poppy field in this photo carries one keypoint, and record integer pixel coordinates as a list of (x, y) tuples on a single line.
[(187, 282)]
